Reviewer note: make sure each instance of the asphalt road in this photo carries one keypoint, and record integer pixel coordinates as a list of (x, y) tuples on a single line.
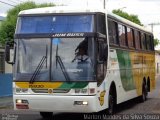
[(130, 110)]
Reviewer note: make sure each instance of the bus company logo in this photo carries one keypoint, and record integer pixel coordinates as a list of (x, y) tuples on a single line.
[(50, 91), (68, 35), (36, 86), (101, 98)]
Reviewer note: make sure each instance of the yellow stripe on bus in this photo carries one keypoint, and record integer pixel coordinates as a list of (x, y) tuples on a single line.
[(39, 84)]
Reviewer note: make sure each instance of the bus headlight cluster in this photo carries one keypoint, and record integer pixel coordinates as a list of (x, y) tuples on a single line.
[(84, 91), (21, 90), (90, 91)]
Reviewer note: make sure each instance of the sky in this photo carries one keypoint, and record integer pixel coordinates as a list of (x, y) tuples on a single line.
[(148, 11)]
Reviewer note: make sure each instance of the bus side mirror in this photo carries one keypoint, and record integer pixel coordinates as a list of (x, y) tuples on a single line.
[(7, 53), (9, 58)]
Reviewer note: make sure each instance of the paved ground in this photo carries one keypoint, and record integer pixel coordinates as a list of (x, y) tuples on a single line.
[(6, 102)]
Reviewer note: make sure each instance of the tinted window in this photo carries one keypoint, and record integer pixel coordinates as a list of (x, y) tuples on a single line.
[(101, 24), (122, 35), (137, 39), (148, 40), (55, 24), (112, 29), (143, 40), (130, 37)]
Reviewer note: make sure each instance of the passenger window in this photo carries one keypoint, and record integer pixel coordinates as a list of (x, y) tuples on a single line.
[(143, 41), (112, 29), (122, 35), (130, 38), (148, 40), (137, 39)]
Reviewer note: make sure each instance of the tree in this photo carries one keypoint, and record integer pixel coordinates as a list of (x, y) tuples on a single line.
[(156, 42), (8, 26), (133, 18)]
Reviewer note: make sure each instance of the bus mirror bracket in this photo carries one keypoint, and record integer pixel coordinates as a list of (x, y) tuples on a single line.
[(8, 53)]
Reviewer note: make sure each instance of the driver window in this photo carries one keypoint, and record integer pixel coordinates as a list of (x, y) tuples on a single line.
[(81, 52), (101, 61)]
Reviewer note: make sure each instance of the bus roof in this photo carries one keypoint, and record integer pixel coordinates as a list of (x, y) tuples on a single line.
[(67, 9), (61, 9)]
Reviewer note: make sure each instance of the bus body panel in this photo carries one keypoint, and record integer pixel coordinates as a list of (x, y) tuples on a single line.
[(127, 70), (51, 103)]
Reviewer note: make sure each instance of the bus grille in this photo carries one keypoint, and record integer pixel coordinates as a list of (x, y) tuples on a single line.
[(53, 90)]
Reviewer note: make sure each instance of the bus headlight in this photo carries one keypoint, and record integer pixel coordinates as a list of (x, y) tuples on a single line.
[(21, 90), (84, 91)]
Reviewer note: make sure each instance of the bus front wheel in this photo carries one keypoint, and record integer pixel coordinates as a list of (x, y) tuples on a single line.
[(46, 114), (111, 105)]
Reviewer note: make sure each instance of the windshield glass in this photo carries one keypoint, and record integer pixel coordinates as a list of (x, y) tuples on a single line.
[(76, 56), (55, 24), (55, 59), (31, 54)]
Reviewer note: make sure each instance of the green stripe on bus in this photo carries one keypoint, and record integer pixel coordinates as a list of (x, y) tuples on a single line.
[(125, 67), (80, 85), (70, 85)]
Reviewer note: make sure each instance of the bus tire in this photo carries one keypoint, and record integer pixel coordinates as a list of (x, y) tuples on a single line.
[(148, 85), (143, 97), (112, 100), (46, 115), (111, 105)]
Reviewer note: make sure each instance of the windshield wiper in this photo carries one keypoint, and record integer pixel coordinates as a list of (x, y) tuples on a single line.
[(59, 60), (38, 69)]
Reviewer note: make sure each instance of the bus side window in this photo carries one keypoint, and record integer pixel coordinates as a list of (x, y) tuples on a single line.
[(112, 31), (143, 41), (149, 44), (152, 42), (137, 39), (102, 54), (130, 37), (122, 35)]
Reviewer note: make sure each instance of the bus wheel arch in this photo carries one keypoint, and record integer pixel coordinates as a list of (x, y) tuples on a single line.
[(112, 99)]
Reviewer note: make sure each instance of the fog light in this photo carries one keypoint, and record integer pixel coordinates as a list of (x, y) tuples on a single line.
[(80, 103), (18, 101), (85, 103)]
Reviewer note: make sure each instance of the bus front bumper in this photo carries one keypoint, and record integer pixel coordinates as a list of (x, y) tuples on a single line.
[(77, 104)]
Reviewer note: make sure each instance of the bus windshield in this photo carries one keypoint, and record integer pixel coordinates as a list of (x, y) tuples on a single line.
[(55, 24), (55, 59)]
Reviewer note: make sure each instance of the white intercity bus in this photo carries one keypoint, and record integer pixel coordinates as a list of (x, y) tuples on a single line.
[(79, 60)]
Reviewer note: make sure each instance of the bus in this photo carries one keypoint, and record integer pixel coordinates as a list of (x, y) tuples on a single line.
[(79, 60)]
